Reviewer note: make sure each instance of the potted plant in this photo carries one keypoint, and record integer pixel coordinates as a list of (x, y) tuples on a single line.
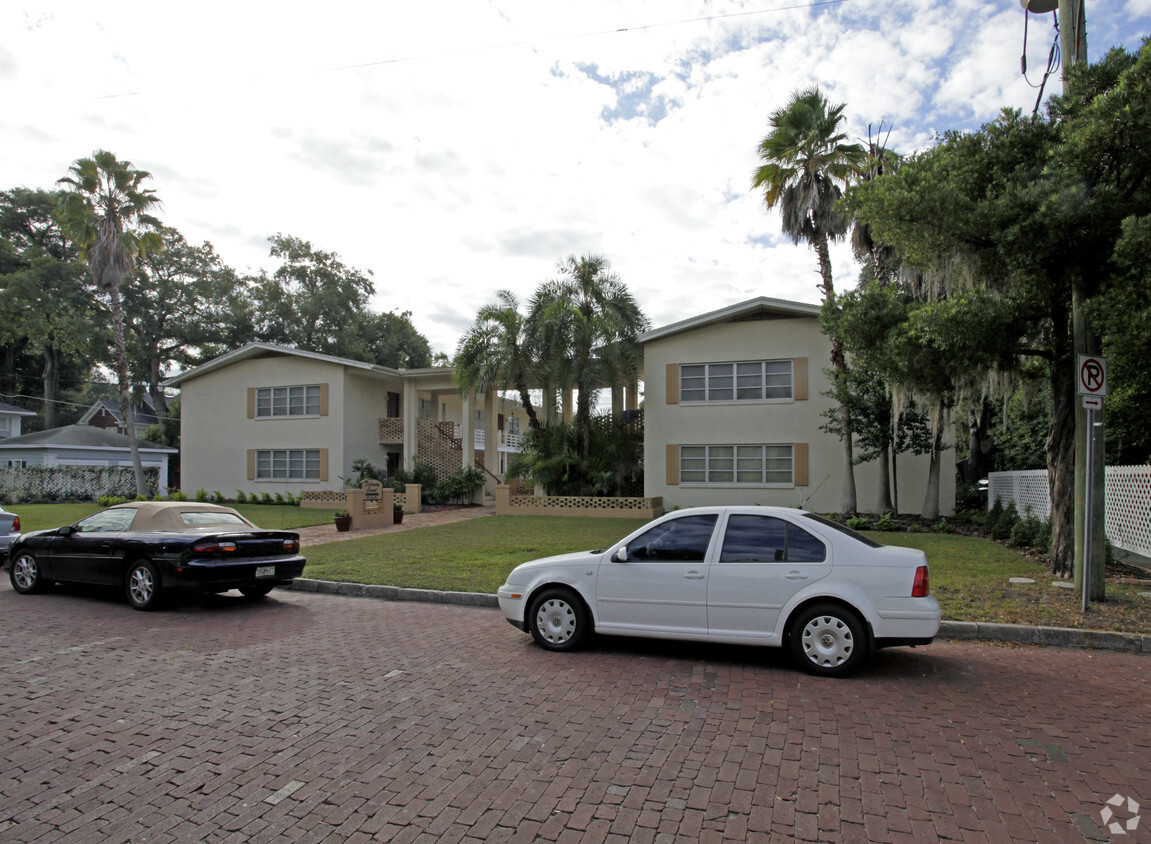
[(343, 521), (398, 514)]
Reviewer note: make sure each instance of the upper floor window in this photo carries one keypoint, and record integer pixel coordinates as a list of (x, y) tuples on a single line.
[(288, 401), (737, 464), (742, 381)]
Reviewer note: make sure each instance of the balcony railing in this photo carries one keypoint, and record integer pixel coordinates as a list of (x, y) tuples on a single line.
[(392, 433)]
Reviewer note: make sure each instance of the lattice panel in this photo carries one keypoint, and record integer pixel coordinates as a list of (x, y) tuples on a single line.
[(581, 502), (1029, 491), (1128, 520), (1127, 510)]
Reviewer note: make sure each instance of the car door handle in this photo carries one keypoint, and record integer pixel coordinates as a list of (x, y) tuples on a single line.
[(796, 575), (694, 575)]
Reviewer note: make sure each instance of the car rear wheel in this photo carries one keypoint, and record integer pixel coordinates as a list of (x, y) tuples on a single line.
[(558, 620), (256, 590), (25, 575), (142, 586), (828, 640)]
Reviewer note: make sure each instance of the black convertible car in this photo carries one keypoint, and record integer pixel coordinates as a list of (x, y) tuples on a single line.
[(151, 547)]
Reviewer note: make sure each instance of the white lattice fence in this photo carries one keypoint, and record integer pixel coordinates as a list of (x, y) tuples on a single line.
[(1029, 491), (1128, 506), (1128, 522)]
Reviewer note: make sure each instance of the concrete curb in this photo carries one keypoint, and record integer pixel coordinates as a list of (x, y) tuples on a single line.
[(1056, 637), (394, 593)]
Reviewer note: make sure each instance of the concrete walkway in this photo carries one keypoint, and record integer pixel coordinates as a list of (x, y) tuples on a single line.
[(318, 534)]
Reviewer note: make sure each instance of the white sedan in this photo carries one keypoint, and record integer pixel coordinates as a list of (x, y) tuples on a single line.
[(742, 575)]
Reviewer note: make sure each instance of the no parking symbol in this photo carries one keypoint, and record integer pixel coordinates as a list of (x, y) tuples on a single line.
[(1092, 375)]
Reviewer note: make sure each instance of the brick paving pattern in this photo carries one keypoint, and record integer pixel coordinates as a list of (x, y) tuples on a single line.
[(322, 718)]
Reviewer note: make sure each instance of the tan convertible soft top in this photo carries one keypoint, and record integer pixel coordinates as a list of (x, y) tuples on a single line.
[(169, 515)]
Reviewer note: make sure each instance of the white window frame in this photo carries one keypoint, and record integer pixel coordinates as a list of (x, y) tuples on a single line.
[(737, 381), (295, 402), (737, 464), (287, 464)]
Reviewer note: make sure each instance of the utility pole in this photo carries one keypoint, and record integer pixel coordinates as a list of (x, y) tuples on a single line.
[(1090, 553)]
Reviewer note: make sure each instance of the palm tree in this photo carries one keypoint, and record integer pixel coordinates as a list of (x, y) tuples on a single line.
[(494, 353), (586, 322), (104, 210), (805, 163)]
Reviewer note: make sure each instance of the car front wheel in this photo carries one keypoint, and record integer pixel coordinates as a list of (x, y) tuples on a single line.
[(828, 640), (558, 620), (24, 572), (142, 586)]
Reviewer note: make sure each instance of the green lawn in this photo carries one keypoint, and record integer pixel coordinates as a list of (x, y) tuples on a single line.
[(471, 556)]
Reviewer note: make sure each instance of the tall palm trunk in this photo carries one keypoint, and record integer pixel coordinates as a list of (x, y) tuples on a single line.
[(848, 502), (51, 381), (126, 387)]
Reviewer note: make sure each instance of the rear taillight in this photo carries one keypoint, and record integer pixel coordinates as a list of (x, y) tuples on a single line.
[(291, 545), (921, 588), (225, 546), (16, 524)]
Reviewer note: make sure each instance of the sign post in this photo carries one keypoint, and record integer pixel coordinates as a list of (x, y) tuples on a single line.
[(1092, 387)]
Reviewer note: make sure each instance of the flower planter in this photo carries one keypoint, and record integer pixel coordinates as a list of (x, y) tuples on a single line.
[(343, 523), (398, 517)]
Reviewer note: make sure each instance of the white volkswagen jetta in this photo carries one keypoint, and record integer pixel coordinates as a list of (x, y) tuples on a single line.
[(742, 575)]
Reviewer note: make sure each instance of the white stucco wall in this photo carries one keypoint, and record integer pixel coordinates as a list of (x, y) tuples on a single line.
[(708, 423)]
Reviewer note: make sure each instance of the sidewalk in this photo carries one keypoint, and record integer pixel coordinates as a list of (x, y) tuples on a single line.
[(318, 534)]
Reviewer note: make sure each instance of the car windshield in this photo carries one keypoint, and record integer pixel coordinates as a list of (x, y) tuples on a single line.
[(199, 517), (844, 529)]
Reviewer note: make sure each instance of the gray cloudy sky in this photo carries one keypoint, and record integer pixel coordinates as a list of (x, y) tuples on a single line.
[(461, 147)]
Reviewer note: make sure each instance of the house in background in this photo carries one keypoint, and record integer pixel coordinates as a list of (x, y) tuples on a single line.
[(11, 419), (105, 413), (82, 445), (270, 418), (733, 406)]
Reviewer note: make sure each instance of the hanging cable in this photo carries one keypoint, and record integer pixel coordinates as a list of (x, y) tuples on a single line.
[(1054, 59)]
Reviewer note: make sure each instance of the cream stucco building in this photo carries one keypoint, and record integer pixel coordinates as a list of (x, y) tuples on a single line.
[(732, 413)]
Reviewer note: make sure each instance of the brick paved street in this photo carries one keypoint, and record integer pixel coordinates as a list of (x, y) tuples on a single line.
[(313, 717)]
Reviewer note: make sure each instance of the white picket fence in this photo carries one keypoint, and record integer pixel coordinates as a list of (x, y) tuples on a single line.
[(1127, 508)]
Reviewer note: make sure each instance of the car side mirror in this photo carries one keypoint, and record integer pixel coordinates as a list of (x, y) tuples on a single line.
[(66, 530), (620, 556)]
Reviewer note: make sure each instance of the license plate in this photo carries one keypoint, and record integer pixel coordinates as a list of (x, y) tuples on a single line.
[(265, 571)]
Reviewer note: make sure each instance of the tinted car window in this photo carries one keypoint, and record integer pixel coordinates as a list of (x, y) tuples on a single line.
[(679, 539), (761, 539)]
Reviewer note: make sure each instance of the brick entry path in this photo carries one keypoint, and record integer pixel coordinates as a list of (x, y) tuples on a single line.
[(326, 718)]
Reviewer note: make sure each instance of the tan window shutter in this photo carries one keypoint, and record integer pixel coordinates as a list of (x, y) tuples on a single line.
[(323, 399), (251, 464), (673, 384), (251, 402), (323, 464), (799, 460), (799, 379), (672, 465)]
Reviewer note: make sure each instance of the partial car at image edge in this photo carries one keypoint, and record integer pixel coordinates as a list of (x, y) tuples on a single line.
[(771, 576), (151, 549)]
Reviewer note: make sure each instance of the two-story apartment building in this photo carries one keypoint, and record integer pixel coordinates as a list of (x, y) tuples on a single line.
[(732, 413), (269, 418)]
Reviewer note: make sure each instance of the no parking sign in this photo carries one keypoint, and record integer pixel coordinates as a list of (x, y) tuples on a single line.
[(1092, 375)]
